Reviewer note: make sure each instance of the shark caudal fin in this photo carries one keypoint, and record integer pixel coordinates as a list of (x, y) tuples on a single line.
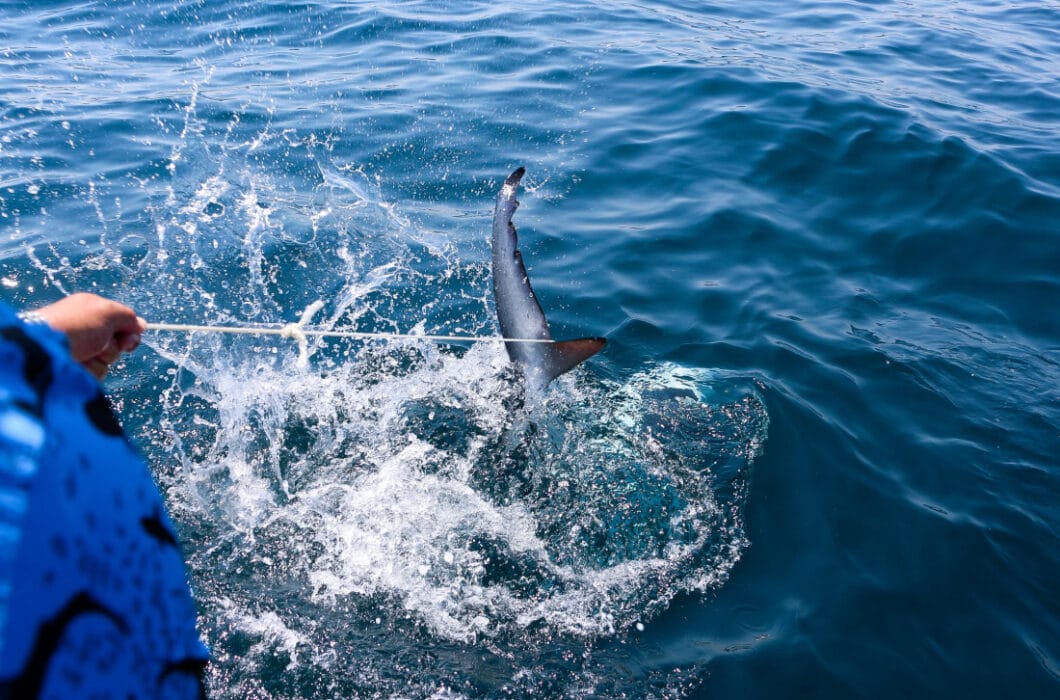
[(519, 314), (564, 355)]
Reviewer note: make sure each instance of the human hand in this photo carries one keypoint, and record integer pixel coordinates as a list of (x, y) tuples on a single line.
[(99, 330)]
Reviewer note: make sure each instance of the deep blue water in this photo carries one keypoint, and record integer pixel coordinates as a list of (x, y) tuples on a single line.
[(818, 457)]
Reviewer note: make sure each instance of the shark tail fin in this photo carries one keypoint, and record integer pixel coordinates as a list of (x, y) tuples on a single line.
[(565, 355)]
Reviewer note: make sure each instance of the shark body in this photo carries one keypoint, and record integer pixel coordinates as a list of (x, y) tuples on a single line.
[(518, 311)]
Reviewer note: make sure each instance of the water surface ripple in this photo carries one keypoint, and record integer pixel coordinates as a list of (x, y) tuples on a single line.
[(819, 455)]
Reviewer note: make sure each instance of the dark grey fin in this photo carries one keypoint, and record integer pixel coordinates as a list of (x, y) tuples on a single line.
[(515, 177), (536, 312), (565, 355)]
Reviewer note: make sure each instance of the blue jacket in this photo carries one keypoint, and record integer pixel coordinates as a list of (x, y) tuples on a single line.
[(94, 601)]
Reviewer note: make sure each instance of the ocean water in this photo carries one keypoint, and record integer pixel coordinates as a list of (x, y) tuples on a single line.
[(819, 455)]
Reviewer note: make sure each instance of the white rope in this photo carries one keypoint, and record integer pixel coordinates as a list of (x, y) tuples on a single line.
[(299, 333), (293, 330)]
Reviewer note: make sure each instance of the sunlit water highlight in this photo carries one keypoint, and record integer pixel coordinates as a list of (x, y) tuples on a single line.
[(818, 456)]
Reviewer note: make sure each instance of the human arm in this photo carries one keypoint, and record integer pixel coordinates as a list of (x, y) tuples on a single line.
[(99, 330)]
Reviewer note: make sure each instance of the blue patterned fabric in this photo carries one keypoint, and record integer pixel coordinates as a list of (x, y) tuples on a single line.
[(94, 601)]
